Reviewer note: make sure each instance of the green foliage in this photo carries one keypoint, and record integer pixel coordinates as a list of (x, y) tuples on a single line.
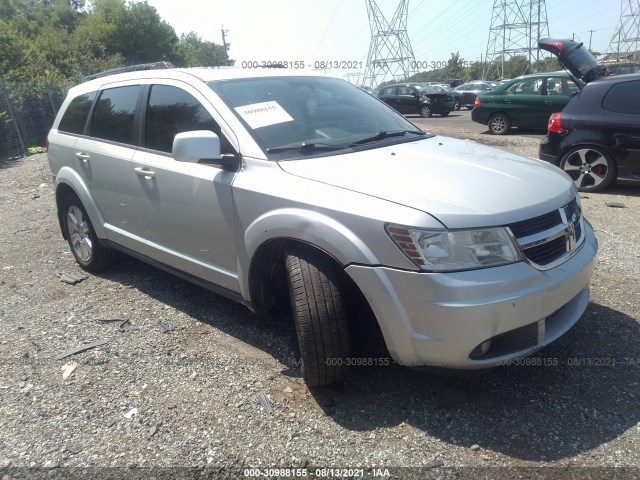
[(134, 31), (198, 53), (64, 40), (34, 150)]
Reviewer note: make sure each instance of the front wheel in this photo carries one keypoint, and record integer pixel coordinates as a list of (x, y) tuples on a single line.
[(319, 315), (425, 111), (90, 254), (591, 168), (499, 124)]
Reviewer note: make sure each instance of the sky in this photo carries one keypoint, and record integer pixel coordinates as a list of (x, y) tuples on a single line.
[(338, 30)]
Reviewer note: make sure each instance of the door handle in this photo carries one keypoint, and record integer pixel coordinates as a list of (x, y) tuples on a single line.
[(548, 102), (84, 157), (145, 172)]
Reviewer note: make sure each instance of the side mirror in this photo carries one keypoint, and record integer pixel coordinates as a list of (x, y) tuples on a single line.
[(201, 146)]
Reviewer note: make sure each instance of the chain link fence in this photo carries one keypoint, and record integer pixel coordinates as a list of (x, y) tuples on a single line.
[(27, 111)]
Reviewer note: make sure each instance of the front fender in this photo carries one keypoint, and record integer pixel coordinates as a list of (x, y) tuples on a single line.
[(312, 227), (69, 177)]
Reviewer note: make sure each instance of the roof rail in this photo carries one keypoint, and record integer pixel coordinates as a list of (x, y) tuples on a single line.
[(130, 68)]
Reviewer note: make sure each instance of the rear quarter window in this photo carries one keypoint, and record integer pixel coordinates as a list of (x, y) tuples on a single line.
[(623, 97), (75, 117)]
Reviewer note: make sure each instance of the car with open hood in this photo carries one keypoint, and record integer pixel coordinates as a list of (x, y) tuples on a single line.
[(305, 198), (417, 99), (595, 139)]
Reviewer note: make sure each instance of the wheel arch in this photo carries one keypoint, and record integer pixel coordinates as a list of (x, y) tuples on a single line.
[(69, 183), (261, 258)]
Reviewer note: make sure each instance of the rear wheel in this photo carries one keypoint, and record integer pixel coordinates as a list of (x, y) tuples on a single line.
[(425, 111), (499, 124), (319, 315), (591, 168), (457, 105), (90, 254)]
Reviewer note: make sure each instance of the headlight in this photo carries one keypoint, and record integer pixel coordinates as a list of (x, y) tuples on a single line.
[(448, 250)]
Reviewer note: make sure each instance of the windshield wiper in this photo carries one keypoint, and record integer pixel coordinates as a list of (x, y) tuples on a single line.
[(307, 148), (385, 134)]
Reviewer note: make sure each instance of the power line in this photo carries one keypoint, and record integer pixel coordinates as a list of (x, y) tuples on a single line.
[(516, 26), (390, 52), (626, 38)]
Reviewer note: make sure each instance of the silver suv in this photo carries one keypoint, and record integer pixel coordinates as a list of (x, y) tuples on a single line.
[(296, 192)]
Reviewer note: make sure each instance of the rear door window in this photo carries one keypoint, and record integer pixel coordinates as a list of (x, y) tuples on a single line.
[(623, 97), (114, 115), (75, 117)]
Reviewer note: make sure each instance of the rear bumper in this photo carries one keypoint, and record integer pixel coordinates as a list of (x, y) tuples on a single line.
[(549, 151), (477, 319), (480, 115)]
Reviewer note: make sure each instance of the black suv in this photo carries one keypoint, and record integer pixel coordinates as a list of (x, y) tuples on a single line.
[(596, 137), (413, 98)]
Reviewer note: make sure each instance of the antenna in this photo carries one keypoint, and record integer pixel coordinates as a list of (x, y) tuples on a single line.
[(516, 26), (626, 38), (390, 52)]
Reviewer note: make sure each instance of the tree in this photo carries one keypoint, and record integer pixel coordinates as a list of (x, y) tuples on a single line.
[(134, 31), (194, 52)]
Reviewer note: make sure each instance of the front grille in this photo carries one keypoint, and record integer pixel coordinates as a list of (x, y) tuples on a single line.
[(552, 238), (538, 224), (547, 252)]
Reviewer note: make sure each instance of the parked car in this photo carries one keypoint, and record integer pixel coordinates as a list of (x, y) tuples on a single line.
[(526, 101), (369, 90), (414, 98), (302, 196), (447, 89), (469, 91), (596, 137)]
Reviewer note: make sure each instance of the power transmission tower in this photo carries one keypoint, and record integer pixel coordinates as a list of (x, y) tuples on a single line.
[(516, 26), (626, 38), (390, 52)]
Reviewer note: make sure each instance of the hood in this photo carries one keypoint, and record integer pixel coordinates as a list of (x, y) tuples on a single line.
[(461, 183), (575, 57)]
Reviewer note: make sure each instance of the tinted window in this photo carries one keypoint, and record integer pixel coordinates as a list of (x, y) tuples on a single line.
[(623, 97), (405, 90), (526, 86), (561, 86), (114, 114), (75, 117), (171, 110), (388, 91)]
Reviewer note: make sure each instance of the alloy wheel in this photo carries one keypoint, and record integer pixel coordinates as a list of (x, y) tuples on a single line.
[(79, 233)]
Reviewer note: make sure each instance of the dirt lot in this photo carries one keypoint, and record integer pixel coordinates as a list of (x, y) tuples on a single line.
[(193, 365)]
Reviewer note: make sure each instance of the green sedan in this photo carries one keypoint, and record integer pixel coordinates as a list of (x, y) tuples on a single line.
[(526, 101)]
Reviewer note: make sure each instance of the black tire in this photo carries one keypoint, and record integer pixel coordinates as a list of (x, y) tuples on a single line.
[(499, 124), (85, 246), (591, 168), (457, 105), (445, 114), (319, 315), (425, 111)]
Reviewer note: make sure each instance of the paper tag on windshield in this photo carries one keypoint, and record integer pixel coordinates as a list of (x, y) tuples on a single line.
[(263, 114)]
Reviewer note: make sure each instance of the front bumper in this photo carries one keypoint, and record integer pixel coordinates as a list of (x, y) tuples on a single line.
[(480, 318)]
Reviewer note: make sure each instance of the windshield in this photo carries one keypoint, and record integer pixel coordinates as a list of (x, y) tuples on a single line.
[(306, 113)]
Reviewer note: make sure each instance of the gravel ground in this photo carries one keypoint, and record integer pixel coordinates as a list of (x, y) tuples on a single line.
[(175, 390)]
